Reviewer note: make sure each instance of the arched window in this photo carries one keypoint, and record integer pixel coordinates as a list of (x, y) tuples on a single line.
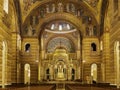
[(115, 5), (27, 74), (27, 47), (5, 6), (93, 47), (94, 72)]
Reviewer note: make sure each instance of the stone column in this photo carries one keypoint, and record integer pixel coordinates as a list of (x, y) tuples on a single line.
[(106, 57)]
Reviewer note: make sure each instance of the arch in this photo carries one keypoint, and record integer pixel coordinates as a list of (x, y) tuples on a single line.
[(60, 16), (94, 72), (36, 5), (93, 47), (4, 61), (27, 74), (27, 47), (64, 36)]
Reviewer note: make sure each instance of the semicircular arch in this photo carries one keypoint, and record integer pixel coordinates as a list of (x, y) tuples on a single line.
[(38, 4), (61, 16)]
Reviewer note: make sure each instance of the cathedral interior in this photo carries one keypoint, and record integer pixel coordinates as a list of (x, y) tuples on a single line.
[(58, 41)]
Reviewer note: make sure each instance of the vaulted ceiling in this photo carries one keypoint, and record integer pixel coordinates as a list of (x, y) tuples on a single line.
[(35, 14)]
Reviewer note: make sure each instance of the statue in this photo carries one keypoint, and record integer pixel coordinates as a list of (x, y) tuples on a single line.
[(87, 31), (34, 20), (26, 30), (29, 33), (89, 20), (60, 7), (68, 7), (81, 12), (33, 31), (42, 12), (53, 8), (72, 8), (78, 13), (95, 31), (91, 30), (47, 9)]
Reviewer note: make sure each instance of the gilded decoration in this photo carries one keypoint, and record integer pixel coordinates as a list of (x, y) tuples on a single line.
[(47, 9), (59, 42)]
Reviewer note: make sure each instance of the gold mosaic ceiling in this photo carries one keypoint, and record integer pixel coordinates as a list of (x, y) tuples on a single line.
[(33, 11)]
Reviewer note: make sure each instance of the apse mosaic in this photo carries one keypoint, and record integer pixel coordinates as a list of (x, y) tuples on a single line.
[(49, 8), (60, 6), (60, 42)]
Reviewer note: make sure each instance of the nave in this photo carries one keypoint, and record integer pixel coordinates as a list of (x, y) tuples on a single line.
[(60, 85), (59, 42)]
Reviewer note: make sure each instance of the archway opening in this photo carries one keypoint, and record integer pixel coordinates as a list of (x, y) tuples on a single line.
[(94, 73), (27, 74)]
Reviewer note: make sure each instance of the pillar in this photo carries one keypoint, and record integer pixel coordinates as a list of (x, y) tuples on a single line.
[(106, 57)]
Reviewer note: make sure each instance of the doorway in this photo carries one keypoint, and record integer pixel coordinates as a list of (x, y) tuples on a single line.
[(94, 73), (27, 74)]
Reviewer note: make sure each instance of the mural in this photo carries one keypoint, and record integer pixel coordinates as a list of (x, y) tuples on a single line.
[(60, 42), (49, 8), (91, 30), (29, 31)]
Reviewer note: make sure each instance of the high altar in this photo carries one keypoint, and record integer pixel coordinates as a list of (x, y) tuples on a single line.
[(61, 67)]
